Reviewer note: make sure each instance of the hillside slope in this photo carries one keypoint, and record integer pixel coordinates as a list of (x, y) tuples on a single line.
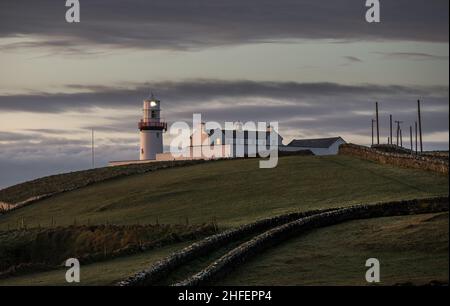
[(73, 180), (232, 192), (411, 249)]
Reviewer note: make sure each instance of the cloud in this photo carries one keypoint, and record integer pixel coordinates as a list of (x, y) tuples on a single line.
[(25, 156), (349, 60), (50, 131), (414, 56), (181, 24), (197, 94), (301, 108), (352, 59), (10, 136)]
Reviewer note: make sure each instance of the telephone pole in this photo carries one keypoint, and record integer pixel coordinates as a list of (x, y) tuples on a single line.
[(378, 125), (398, 130), (420, 125), (390, 126), (415, 126), (410, 138), (373, 121), (92, 149), (401, 138)]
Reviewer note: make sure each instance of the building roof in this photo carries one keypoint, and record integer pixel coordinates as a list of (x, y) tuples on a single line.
[(314, 143), (244, 133)]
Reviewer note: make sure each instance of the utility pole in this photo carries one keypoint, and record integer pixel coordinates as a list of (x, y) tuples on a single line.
[(410, 138), (373, 121), (401, 138), (420, 125), (398, 129), (92, 149), (378, 125), (390, 126), (415, 126)]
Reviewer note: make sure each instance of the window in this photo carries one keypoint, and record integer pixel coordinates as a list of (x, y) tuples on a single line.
[(157, 135)]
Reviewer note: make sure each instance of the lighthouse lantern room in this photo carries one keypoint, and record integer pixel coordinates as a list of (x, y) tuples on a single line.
[(151, 129)]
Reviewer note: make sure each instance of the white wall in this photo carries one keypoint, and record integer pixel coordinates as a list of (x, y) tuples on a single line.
[(151, 144)]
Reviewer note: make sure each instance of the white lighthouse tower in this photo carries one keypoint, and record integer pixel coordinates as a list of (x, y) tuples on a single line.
[(151, 129)]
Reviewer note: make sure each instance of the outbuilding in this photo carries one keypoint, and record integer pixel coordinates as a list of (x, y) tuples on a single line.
[(319, 146)]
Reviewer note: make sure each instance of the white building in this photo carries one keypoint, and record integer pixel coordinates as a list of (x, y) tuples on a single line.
[(217, 143), (237, 142), (319, 146), (151, 130)]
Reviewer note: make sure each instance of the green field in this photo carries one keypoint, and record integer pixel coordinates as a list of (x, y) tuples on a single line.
[(101, 273), (52, 246), (78, 179), (411, 249), (232, 192)]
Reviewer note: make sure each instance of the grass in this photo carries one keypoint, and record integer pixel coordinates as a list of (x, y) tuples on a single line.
[(77, 179), (50, 247), (232, 192), (102, 273), (411, 249)]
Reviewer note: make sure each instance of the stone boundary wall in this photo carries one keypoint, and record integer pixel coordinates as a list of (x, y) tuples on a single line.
[(278, 234), (158, 270), (27, 202), (424, 162)]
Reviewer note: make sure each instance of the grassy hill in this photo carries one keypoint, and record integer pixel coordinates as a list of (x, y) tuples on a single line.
[(412, 248), (228, 192), (232, 192), (99, 273), (73, 180), (49, 247)]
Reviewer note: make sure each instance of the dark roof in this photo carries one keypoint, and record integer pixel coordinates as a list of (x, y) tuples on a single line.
[(313, 143), (244, 132)]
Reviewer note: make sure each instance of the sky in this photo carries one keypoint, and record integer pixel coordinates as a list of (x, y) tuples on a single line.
[(316, 67)]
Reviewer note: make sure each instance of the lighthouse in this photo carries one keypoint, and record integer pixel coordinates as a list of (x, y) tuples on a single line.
[(151, 129)]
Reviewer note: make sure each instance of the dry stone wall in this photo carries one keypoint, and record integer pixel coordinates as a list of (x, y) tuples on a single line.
[(278, 234), (424, 162), (273, 230), (156, 272)]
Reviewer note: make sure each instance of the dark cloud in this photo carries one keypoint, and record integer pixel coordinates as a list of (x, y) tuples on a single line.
[(415, 56), (181, 24), (353, 59), (197, 94), (349, 60), (10, 136), (316, 107)]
